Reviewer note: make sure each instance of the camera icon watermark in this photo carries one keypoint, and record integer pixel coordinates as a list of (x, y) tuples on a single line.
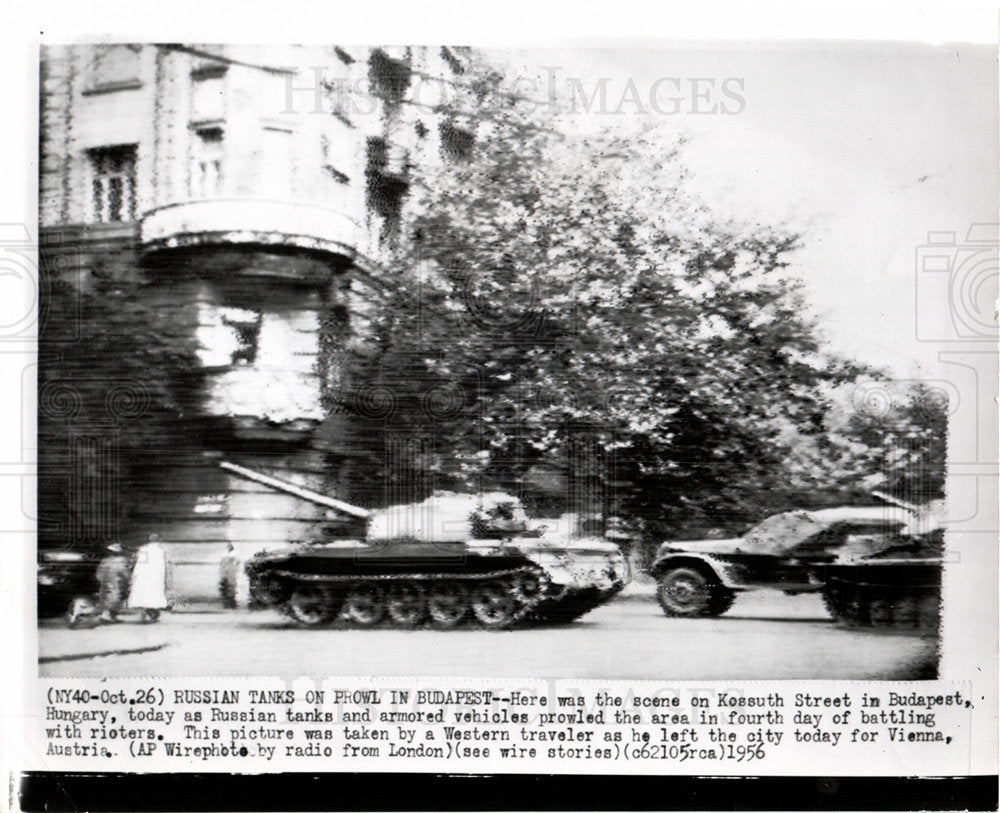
[(19, 282), (956, 285)]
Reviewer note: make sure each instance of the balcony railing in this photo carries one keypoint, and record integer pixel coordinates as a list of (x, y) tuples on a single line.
[(249, 221)]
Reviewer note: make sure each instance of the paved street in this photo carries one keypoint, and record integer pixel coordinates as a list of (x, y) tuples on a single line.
[(765, 635)]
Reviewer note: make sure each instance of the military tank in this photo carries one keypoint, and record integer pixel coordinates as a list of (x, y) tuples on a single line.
[(449, 560), (890, 580)]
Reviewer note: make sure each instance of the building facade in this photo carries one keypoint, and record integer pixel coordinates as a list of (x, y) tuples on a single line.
[(214, 225)]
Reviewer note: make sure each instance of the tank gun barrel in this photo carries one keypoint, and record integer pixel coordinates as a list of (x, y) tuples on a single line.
[(298, 491), (909, 506)]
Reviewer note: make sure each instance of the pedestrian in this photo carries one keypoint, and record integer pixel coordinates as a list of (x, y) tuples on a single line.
[(113, 580), (148, 591), (229, 573), (617, 530)]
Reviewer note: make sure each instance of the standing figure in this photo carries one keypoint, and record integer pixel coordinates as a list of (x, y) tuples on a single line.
[(229, 572), (113, 579), (148, 592)]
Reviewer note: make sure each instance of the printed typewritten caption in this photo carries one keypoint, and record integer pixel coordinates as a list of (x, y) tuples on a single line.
[(266, 725)]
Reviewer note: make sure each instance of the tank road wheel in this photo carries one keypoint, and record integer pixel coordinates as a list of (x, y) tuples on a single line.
[(929, 611), (447, 603), (529, 587), (309, 606), (364, 605), (684, 592), (881, 610), (405, 604), (493, 604), (844, 604)]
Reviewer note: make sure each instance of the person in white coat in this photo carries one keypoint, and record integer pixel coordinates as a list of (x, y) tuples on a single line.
[(148, 590)]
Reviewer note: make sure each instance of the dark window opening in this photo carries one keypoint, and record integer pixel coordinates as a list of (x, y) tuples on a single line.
[(113, 183), (386, 182), (456, 142), (206, 169), (209, 70), (453, 61), (247, 330), (389, 78)]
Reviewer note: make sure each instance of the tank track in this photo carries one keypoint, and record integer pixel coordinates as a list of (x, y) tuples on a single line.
[(867, 604), (498, 599)]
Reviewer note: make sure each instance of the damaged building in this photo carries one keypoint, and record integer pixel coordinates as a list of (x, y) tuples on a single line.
[(213, 228)]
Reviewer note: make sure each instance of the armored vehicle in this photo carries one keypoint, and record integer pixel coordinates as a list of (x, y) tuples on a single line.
[(878, 566), (885, 582), (449, 559)]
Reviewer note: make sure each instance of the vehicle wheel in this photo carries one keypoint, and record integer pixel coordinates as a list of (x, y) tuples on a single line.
[(687, 593), (881, 611), (405, 604), (906, 612), (447, 603), (832, 602), (844, 604), (364, 605), (929, 613), (309, 606), (722, 600), (528, 588), (493, 605)]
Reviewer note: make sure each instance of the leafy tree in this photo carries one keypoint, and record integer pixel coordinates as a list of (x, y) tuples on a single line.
[(571, 322)]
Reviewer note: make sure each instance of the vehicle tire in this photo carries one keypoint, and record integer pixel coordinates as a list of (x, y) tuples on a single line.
[(364, 605), (493, 605), (529, 587), (845, 604), (447, 603), (929, 612), (684, 592), (405, 604), (832, 602), (308, 606), (722, 599)]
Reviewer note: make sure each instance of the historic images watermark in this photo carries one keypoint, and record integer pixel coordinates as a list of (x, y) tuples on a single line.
[(314, 90)]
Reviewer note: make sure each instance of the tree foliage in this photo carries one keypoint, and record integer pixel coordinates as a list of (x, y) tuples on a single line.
[(570, 321)]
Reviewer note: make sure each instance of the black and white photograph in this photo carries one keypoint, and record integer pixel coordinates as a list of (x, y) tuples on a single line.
[(501, 362), (533, 398)]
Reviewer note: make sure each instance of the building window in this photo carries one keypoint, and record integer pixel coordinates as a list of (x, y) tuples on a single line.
[(113, 183), (387, 181), (388, 78), (114, 67), (208, 97), (456, 142), (277, 162), (206, 165), (260, 364)]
